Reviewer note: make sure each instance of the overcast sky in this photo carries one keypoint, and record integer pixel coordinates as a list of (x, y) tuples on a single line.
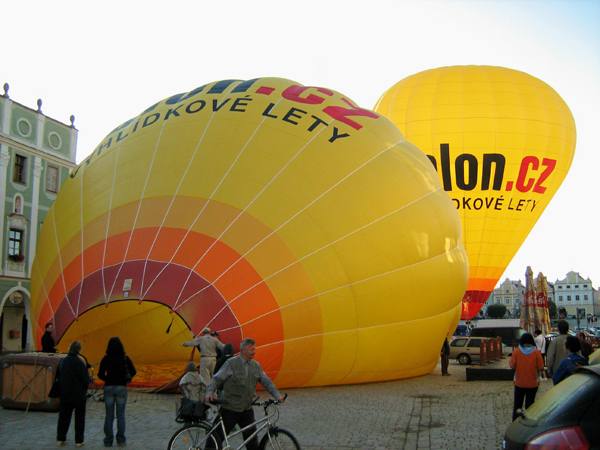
[(106, 61)]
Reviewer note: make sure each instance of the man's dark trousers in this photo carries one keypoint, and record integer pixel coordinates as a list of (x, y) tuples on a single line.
[(241, 419), (64, 420)]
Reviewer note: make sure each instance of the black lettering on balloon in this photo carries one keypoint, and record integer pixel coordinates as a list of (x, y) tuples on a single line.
[(316, 123), (268, 109), (433, 161), (195, 106), (172, 112), (498, 161), (240, 104), (335, 135), (293, 114), (459, 167), (445, 163), (217, 106), (150, 120)]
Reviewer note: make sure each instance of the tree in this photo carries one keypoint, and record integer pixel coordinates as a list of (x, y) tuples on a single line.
[(496, 311), (552, 309)]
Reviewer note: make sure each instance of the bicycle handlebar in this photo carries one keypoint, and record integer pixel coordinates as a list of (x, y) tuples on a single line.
[(269, 402), (255, 402)]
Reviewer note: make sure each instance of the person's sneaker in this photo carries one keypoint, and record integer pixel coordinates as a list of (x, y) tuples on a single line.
[(80, 444), (60, 443)]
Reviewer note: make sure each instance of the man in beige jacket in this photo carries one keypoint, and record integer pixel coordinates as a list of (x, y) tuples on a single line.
[(207, 345)]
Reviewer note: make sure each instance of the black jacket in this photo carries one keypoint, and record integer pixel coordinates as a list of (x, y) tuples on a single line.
[(74, 379), (48, 343), (116, 371)]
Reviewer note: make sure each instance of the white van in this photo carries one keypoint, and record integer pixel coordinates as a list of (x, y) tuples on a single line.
[(508, 329)]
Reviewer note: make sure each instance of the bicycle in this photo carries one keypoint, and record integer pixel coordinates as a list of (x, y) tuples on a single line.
[(199, 435)]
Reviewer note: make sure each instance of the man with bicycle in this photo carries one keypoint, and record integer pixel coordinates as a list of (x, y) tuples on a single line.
[(238, 378)]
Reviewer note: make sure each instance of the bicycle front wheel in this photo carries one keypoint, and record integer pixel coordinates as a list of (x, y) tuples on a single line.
[(279, 439), (192, 437)]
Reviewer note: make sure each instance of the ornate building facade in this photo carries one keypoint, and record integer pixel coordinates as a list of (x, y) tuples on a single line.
[(510, 294), (575, 293), (36, 156)]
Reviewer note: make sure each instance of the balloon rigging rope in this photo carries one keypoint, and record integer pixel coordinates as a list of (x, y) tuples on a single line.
[(341, 238), (166, 214), (39, 276), (139, 206), (351, 330), (217, 187), (308, 205), (60, 262), (108, 219), (347, 285), (235, 219), (81, 242)]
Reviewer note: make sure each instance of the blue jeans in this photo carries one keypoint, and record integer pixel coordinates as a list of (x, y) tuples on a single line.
[(114, 396)]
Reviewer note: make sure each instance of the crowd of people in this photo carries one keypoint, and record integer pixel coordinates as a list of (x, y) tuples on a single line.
[(234, 378), (532, 361), (220, 373)]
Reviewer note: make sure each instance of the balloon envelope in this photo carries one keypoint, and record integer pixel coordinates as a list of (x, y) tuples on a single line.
[(261, 209), (501, 140)]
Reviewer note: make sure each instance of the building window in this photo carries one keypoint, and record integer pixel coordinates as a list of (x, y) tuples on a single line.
[(52, 179), (568, 297), (507, 301), (585, 297), (20, 169), (585, 285), (577, 297), (560, 287), (560, 298), (15, 244), (576, 286), (568, 286)]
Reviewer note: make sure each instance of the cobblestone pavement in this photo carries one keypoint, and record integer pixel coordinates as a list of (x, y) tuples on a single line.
[(430, 412)]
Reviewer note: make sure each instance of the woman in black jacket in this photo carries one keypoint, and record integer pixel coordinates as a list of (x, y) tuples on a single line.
[(74, 380), (116, 370)]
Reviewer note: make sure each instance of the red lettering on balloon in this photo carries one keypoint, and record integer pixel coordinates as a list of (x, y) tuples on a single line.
[(265, 90), (293, 93), (522, 184), (550, 164), (340, 113)]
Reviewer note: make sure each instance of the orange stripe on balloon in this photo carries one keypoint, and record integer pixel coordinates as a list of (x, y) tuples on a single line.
[(481, 284)]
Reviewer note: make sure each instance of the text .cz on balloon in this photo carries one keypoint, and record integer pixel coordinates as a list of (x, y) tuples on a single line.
[(342, 114), (531, 177)]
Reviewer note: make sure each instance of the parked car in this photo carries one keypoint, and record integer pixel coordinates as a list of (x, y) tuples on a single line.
[(466, 349), (567, 416)]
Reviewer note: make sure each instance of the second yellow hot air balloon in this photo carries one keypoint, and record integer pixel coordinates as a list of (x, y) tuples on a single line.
[(502, 142)]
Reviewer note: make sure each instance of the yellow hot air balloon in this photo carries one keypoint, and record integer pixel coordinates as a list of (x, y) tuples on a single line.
[(501, 140), (259, 208)]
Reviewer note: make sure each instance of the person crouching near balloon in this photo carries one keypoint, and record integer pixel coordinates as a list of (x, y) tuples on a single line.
[(528, 364), (238, 378), (74, 381), (116, 370), (192, 389)]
